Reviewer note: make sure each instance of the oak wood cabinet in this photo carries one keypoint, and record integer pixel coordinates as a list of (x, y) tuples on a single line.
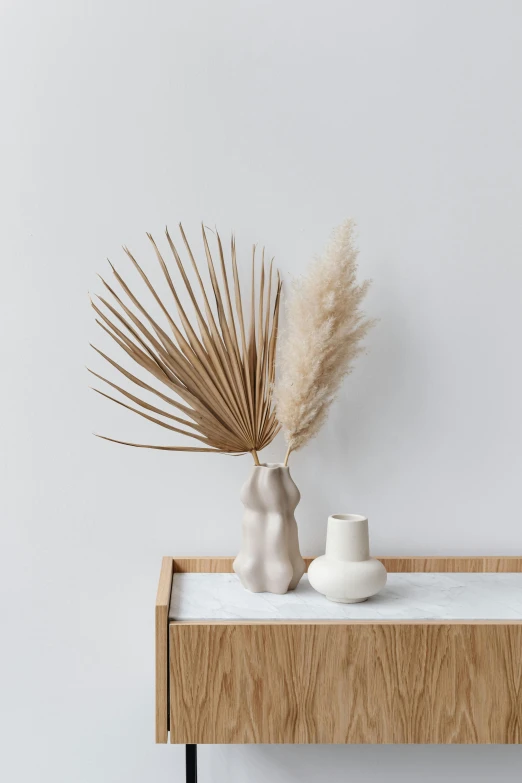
[(334, 681)]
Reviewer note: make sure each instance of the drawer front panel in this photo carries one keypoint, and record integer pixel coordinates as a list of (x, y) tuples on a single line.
[(340, 683)]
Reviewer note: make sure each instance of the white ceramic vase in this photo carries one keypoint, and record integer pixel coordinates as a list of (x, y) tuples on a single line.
[(269, 560), (347, 573)]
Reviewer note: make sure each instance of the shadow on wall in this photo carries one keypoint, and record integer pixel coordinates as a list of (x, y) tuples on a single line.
[(374, 420), (371, 763)]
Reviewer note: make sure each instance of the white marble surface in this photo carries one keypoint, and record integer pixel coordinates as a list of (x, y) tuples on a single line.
[(405, 597)]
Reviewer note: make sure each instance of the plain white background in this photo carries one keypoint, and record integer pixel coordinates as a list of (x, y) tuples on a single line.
[(278, 120)]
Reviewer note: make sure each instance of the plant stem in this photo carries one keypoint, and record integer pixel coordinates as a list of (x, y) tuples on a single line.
[(285, 463), (256, 458)]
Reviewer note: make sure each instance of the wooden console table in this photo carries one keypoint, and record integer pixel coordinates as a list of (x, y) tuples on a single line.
[(435, 658)]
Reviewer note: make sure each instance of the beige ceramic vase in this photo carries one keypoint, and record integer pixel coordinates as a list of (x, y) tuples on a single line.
[(269, 560)]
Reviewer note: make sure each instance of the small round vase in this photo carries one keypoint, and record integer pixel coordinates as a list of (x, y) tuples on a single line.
[(346, 573), (269, 560)]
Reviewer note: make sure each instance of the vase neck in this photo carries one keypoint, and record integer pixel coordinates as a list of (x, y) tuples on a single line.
[(347, 539)]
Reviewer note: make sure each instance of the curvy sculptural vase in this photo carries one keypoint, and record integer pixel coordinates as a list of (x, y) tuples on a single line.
[(269, 560)]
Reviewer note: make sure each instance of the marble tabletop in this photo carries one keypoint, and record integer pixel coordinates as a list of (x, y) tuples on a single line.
[(406, 597)]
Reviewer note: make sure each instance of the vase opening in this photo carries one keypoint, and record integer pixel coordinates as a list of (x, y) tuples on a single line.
[(272, 465), (348, 517)]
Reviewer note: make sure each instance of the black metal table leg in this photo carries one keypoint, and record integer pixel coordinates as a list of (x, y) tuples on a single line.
[(191, 763)]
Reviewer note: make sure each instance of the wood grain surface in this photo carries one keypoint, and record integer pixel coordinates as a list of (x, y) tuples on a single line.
[(338, 682), (342, 683), (505, 564), (162, 652)]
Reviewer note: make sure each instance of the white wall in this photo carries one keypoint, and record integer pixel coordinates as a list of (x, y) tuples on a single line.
[(278, 119)]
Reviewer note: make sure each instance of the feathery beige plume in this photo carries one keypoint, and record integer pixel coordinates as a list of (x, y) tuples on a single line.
[(324, 330), (220, 374)]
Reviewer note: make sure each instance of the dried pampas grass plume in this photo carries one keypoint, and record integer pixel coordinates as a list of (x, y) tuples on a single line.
[(323, 336)]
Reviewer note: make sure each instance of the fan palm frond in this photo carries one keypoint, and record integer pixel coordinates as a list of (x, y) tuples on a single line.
[(221, 374)]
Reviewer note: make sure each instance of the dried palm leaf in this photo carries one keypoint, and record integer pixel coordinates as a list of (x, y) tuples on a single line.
[(223, 381)]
